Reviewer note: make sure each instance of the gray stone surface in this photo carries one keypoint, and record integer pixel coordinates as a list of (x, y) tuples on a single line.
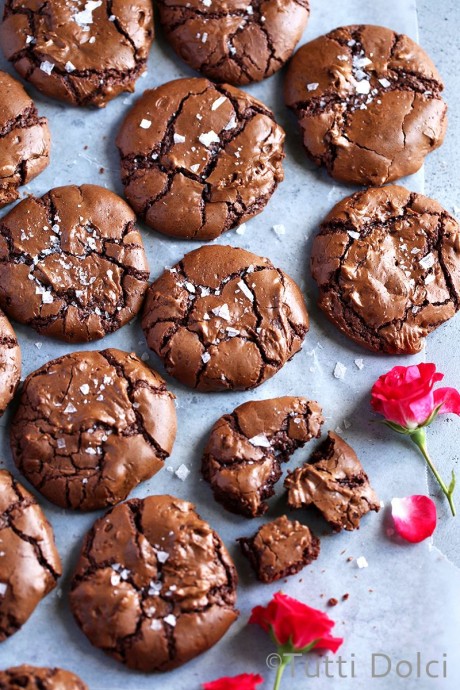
[(406, 601)]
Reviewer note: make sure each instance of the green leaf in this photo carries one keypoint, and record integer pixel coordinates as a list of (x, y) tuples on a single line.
[(451, 488)]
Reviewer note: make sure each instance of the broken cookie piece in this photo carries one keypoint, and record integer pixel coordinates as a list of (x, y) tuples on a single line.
[(245, 449), (29, 562), (335, 483), (280, 548), (154, 585)]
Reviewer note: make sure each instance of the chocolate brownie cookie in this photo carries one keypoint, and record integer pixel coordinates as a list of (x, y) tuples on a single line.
[(224, 319), (155, 585), (91, 426), (280, 548), (80, 51), (34, 678), (10, 362), (198, 159), (243, 456), (234, 40), (29, 561), (387, 263), (24, 139), (369, 103), (72, 263), (335, 483)]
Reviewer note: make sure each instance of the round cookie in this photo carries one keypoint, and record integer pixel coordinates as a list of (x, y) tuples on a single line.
[(24, 139), (243, 455), (387, 264), (197, 158), (83, 52), (155, 585), (72, 263), (35, 678), (30, 564), (10, 362), (369, 103), (224, 319), (91, 426), (234, 41)]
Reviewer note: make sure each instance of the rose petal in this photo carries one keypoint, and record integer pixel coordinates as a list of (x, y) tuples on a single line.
[(414, 517), (245, 681), (449, 398)]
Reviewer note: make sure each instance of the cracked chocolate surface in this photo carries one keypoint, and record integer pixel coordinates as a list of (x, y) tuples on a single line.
[(91, 426), (235, 41), (368, 102), (29, 561), (280, 548), (24, 139), (243, 456), (197, 158), (155, 585), (10, 362), (85, 53), (224, 319), (72, 263), (35, 678), (333, 481), (387, 264)]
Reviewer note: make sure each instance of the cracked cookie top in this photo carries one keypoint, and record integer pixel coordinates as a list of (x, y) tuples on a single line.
[(243, 456), (280, 548), (333, 480), (155, 585), (224, 319), (24, 139), (10, 362), (387, 264), (369, 103), (84, 52), (197, 158), (91, 426), (72, 263), (235, 41), (29, 561), (35, 678)]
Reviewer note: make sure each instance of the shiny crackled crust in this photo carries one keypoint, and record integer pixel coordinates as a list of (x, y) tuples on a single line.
[(366, 134), (280, 548), (72, 263), (93, 57), (243, 456), (159, 594), (35, 678), (387, 264), (10, 362), (197, 158), (29, 564), (234, 41), (91, 426), (24, 139), (334, 481), (224, 319)]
